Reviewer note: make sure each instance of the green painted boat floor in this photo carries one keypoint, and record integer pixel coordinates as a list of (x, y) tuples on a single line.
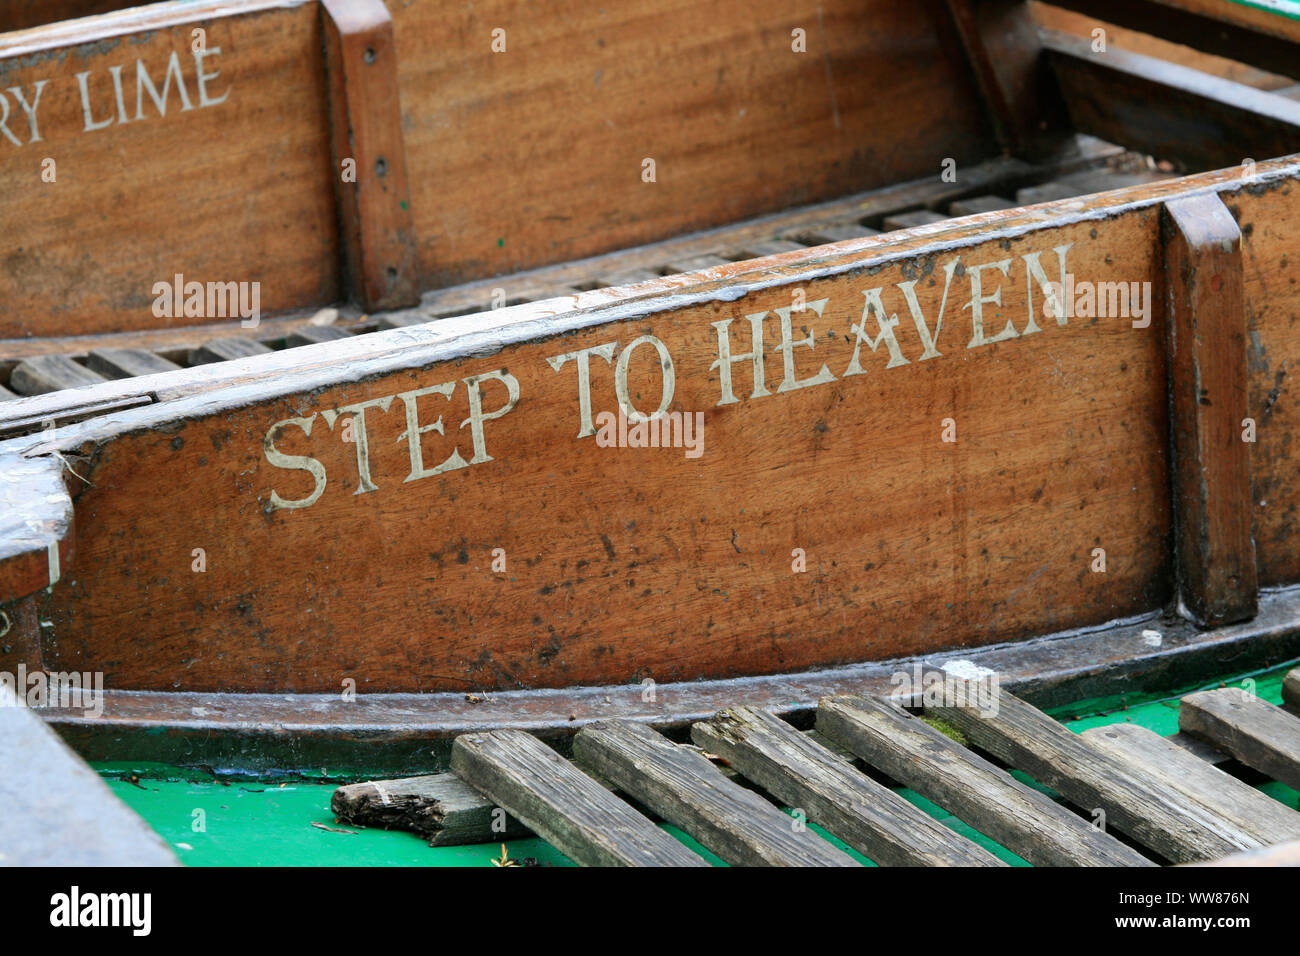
[(279, 822)]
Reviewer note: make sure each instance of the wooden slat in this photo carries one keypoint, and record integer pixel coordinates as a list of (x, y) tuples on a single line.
[(312, 334), (1167, 110), (863, 813), (626, 276), (50, 373), (1022, 819), (1291, 688), (696, 263), (1207, 331), (1149, 753), (1254, 731), (766, 247), (684, 788), (978, 204), (1002, 45), (1083, 184), (375, 209), (560, 803), (5, 394), (126, 363), (832, 232), (918, 217), (222, 350), (1023, 736), (439, 807)]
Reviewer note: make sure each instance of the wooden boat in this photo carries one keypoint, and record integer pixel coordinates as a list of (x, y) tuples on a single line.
[(632, 368)]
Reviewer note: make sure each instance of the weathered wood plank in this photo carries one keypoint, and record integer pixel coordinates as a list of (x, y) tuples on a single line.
[(378, 233), (125, 363), (917, 217), (863, 813), (696, 263), (978, 204), (1147, 752), (312, 334), (684, 788), (50, 373), (1168, 110), (561, 804), (1022, 819), (222, 350), (831, 232), (765, 247), (1207, 331), (439, 807), (37, 526), (1024, 737), (1254, 731), (56, 809)]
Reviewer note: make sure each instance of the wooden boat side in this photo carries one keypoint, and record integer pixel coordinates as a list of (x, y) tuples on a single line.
[(1078, 462)]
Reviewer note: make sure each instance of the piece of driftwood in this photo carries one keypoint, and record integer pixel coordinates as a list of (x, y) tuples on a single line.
[(50, 373), (1209, 399), (1152, 755), (1254, 731), (124, 363), (1022, 819), (806, 776), (1024, 737), (439, 807), (684, 788), (561, 804)]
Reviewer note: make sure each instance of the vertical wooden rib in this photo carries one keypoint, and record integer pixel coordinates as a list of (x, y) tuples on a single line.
[(1207, 350), (1001, 41), (375, 210)]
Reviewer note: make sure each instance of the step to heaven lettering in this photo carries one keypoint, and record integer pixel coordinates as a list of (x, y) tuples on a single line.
[(744, 346)]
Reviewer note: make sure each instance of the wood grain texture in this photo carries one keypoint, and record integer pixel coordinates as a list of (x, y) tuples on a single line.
[(440, 807), (561, 804), (375, 207), (1206, 324), (1170, 111), (990, 537), (806, 776), (37, 526), (50, 373), (712, 95), (1137, 803), (1254, 731), (1269, 820), (124, 363), (1022, 819), (148, 194), (684, 788)]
